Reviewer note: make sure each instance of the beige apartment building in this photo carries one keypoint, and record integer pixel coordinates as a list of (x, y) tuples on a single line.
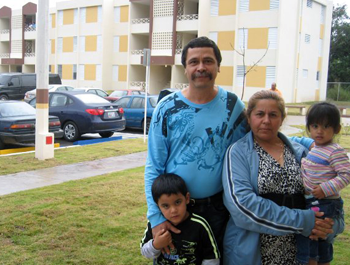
[(99, 43)]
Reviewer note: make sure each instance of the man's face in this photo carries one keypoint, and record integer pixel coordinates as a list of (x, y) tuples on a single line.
[(201, 67), (273, 86)]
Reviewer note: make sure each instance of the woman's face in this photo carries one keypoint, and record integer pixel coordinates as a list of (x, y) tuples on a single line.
[(265, 120)]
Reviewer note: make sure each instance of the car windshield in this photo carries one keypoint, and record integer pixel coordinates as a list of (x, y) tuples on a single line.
[(153, 101), (91, 98), (4, 79), (11, 109), (118, 93)]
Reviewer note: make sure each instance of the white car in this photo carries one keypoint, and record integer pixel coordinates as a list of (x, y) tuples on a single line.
[(32, 93), (94, 90)]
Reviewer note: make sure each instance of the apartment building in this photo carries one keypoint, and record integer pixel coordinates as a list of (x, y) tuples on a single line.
[(99, 43)]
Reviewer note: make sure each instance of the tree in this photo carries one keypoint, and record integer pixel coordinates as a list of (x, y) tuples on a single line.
[(339, 55)]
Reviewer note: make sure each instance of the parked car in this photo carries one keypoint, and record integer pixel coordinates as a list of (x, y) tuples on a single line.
[(166, 91), (81, 112), (15, 85), (98, 91), (32, 93), (117, 94), (134, 110), (17, 123)]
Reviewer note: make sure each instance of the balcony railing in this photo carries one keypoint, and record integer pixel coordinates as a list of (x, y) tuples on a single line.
[(4, 31), (137, 52), (178, 51), (181, 85), (140, 21), (31, 27), (187, 17), (4, 55), (138, 84), (29, 54)]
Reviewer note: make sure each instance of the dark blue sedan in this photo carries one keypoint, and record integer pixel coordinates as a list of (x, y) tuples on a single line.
[(81, 112), (134, 110), (17, 123)]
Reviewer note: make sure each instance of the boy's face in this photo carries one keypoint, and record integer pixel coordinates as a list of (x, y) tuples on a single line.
[(174, 207)]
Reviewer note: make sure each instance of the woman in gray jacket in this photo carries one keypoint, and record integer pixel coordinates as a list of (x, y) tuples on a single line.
[(263, 190)]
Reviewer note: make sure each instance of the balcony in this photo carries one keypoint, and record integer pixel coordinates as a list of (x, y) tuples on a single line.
[(4, 55), (136, 56), (5, 34), (140, 85), (140, 25), (187, 22)]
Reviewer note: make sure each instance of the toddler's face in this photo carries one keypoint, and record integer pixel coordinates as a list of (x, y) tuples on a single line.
[(174, 207), (322, 134)]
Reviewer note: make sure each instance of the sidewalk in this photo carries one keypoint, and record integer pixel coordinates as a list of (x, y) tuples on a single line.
[(55, 175)]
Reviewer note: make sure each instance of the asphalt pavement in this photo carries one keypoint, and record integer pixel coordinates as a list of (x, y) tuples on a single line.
[(43, 177)]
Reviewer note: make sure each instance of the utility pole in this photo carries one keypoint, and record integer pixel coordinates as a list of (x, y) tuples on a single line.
[(147, 63), (44, 141)]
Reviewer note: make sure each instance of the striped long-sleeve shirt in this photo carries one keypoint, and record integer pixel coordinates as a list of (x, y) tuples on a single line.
[(327, 166)]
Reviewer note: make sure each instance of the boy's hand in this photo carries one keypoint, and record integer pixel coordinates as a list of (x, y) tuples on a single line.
[(165, 226), (162, 239), (318, 193)]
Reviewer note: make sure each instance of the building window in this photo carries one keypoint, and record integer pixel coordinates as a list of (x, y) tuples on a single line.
[(59, 45), (117, 14), (49, 68), (75, 43), (270, 76), (60, 17), (81, 71), (320, 47), (318, 75), (305, 73), (59, 70), (213, 36), (83, 15), (75, 16), (214, 7), (99, 14), (98, 72), (240, 75), (115, 72), (307, 38), (274, 4), (323, 14), (242, 38), (273, 38), (243, 5), (74, 72), (116, 44), (99, 43), (309, 3), (82, 43)]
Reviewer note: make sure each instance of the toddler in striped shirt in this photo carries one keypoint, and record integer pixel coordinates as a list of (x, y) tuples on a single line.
[(325, 171)]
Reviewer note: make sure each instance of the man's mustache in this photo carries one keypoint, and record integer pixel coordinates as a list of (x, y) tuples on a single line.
[(204, 74)]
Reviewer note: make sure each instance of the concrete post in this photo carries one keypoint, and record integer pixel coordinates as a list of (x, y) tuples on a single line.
[(44, 141)]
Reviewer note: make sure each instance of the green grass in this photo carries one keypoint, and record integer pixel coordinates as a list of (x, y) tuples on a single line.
[(26, 162), (99, 220)]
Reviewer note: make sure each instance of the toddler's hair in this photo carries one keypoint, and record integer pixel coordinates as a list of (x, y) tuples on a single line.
[(168, 184), (323, 113)]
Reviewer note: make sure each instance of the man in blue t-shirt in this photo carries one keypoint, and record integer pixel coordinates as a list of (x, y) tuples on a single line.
[(189, 134)]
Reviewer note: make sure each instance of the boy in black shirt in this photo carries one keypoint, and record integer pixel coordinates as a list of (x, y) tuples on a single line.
[(195, 244)]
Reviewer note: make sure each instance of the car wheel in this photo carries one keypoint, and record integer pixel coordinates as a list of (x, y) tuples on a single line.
[(4, 97), (71, 131), (147, 125), (106, 134)]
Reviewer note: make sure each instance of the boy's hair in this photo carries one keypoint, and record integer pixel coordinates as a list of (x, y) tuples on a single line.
[(168, 184), (200, 43), (324, 113)]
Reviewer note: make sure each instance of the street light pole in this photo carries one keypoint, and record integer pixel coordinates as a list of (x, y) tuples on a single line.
[(44, 141)]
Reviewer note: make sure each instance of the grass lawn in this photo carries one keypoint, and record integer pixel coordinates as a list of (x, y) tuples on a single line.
[(99, 220)]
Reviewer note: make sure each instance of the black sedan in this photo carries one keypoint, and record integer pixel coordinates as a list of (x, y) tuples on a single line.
[(81, 112), (17, 123)]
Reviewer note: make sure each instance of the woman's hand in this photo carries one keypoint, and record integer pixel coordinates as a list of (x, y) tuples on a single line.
[(162, 240), (322, 228)]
